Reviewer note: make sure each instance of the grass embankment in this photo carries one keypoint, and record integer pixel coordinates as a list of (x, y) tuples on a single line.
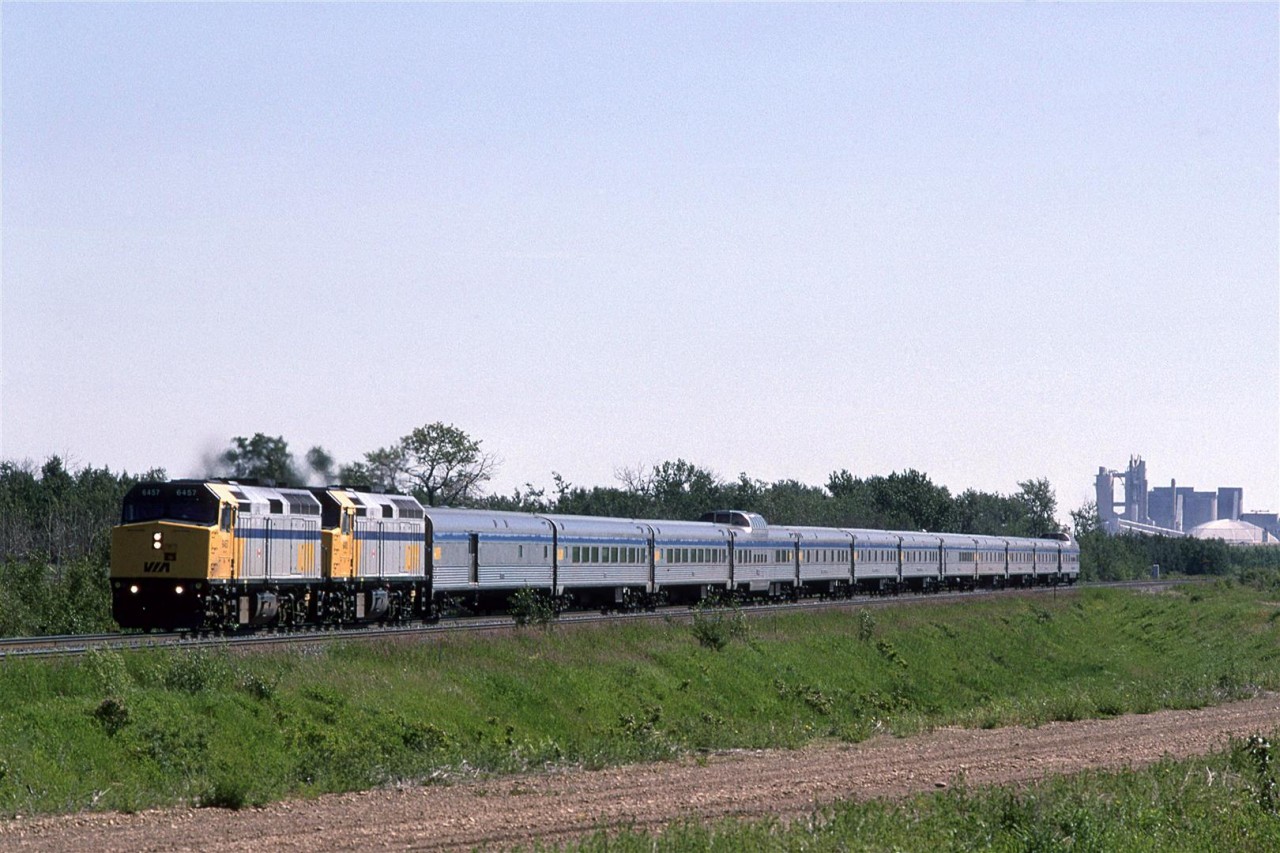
[(129, 730), (1221, 802)]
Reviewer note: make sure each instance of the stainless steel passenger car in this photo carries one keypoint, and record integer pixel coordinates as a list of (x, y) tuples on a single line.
[(1022, 560), (764, 558), (992, 567), (1047, 560), (876, 565), (1057, 560), (1070, 562), (602, 560), (959, 560), (825, 557), (487, 555), (921, 560), (691, 559)]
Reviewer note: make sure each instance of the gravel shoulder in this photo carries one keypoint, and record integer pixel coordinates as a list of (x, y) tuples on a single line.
[(561, 804)]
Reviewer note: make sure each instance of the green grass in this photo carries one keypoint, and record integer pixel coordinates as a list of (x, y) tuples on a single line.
[(1201, 804), (133, 730)]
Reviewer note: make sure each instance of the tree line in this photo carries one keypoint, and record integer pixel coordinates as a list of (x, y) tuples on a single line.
[(441, 464), (55, 522)]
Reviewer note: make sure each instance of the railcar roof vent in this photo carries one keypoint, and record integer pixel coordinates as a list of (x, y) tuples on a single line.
[(408, 507)]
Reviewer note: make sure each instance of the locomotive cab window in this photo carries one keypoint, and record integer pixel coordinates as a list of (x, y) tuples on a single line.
[(173, 501)]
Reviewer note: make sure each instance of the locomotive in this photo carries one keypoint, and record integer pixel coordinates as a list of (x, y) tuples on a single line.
[(222, 555)]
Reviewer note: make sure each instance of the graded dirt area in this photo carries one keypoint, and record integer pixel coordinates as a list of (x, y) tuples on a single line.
[(562, 804)]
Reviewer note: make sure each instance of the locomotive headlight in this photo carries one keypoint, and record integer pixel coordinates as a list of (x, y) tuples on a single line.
[(157, 536), (134, 589), (156, 544), (178, 590)]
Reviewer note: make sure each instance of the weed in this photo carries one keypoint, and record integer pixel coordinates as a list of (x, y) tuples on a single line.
[(866, 625), (108, 670), (112, 715), (257, 686), (810, 695), (194, 671), (225, 793), (890, 653), (876, 703), (714, 627), (642, 726), (531, 607), (423, 737), (171, 745), (1254, 753)]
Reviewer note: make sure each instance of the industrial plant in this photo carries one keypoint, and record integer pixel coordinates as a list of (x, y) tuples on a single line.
[(1175, 510)]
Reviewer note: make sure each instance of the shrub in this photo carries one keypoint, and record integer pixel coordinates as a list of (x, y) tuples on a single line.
[(194, 671), (531, 607), (225, 793), (866, 625), (715, 627), (257, 686), (1255, 754), (112, 715)]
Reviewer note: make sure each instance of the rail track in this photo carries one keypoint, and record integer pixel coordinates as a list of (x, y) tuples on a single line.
[(78, 644)]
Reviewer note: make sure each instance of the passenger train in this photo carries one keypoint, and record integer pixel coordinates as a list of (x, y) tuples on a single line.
[(221, 555)]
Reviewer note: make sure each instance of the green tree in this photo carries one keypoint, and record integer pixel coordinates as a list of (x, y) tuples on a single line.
[(682, 490), (438, 463), (1085, 520), (1040, 505), (532, 499), (793, 502), (841, 483), (853, 504), (53, 514), (603, 501), (910, 501), (383, 470), (990, 514), (262, 457)]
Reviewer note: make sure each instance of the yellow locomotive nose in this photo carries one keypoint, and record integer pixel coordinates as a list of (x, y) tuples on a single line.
[(157, 570)]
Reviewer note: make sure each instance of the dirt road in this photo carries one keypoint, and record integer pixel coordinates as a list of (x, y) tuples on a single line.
[(563, 804)]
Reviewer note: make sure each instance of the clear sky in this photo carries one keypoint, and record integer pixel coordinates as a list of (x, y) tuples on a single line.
[(989, 242)]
